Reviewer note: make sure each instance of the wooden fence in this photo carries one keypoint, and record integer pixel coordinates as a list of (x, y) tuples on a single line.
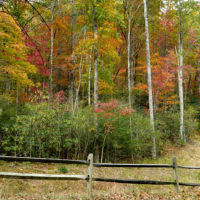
[(89, 177)]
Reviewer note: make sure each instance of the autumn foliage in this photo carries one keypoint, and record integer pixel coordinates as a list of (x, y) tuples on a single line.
[(47, 59)]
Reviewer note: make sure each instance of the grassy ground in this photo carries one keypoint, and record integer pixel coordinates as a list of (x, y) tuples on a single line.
[(61, 190)]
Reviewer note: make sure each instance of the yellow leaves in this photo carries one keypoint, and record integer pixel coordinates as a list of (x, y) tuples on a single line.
[(4, 36), (38, 84), (85, 46), (6, 18), (18, 75), (105, 88), (14, 52), (8, 27), (108, 47), (109, 54)]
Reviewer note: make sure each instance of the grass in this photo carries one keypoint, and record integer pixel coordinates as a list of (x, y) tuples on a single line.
[(59, 190)]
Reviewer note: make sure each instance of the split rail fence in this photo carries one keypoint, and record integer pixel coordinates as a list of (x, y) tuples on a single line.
[(89, 177)]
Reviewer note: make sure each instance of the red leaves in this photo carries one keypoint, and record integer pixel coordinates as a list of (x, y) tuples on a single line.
[(111, 109), (192, 40), (44, 71), (111, 105), (98, 110), (60, 96), (37, 51)]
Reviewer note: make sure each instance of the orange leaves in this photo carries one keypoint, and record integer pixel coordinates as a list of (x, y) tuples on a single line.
[(13, 52), (163, 80), (62, 25), (109, 43), (141, 87), (126, 111), (105, 88)]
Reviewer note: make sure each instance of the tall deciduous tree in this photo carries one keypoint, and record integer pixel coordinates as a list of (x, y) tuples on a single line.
[(52, 46), (180, 71), (15, 68), (129, 11), (185, 10), (154, 153), (95, 57), (72, 87)]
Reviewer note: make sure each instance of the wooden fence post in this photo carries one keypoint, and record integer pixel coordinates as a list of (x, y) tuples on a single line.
[(89, 184), (175, 174)]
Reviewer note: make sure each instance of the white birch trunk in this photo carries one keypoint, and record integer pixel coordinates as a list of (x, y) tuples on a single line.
[(132, 62), (96, 146), (51, 53), (72, 86), (154, 151), (80, 78), (79, 86), (128, 62), (129, 17), (89, 82), (95, 60), (180, 77), (180, 89), (128, 59)]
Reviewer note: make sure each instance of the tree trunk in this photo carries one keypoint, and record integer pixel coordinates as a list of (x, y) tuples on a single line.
[(128, 62), (95, 80), (51, 53), (95, 60), (89, 81), (180, 76), (103, 145), (58, 3), (8, 84), (72, 85), (129, 17), (79, 85), (80, 78), (154, 151), (132, 62)]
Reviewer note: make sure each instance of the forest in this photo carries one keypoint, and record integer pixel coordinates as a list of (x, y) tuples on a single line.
[(116, 78)]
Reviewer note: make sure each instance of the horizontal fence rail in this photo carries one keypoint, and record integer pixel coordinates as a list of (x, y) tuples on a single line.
[(132, 181), (143, 182), (132, 165), (42, 176), (188, 167), (89, 177), (43, 160), (84, 162)]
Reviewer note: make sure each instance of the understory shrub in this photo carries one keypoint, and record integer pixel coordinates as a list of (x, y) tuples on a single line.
[(113, 132)]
